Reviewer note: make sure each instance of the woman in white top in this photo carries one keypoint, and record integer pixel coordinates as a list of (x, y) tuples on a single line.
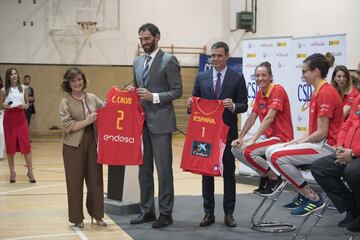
[(14, 99)]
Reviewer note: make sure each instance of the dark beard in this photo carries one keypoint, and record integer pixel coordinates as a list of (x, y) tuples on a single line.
[(149, 48)]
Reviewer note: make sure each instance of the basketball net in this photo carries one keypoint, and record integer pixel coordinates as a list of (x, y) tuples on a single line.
[(87, 28)]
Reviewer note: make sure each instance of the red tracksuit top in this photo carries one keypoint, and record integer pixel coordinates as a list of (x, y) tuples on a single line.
[(349, 135)]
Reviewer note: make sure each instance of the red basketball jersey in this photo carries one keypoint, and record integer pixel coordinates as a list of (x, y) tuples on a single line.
[(205, 139), (120, 129)]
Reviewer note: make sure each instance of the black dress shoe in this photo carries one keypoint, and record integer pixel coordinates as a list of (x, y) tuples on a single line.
[(229, 220), (354, 226), (208, 219), (348, 219), (163, 221), (144, 218)]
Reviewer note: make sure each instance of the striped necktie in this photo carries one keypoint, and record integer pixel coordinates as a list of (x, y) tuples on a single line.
[(146, 68)]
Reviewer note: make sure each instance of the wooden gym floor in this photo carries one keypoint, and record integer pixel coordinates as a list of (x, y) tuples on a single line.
[(39, 211)]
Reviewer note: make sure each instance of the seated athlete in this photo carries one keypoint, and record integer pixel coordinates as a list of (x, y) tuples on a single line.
[(330, 171), (273, 109), (325, 120)]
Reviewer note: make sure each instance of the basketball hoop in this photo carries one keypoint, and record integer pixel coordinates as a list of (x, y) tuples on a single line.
[(87, 28)]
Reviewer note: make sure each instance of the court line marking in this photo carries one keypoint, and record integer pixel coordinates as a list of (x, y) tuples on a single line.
[(80, 233), (30, 188), (44, 236)]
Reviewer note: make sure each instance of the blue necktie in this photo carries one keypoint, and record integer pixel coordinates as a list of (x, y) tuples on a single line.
[(146, 68), (218, 85)]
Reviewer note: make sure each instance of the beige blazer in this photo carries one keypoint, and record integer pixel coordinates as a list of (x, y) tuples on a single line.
[(72, 110)]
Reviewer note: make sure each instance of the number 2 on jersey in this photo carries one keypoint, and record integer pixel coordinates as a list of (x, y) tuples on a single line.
[(119, 119)]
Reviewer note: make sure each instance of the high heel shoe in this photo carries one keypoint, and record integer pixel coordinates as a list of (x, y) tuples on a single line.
[(12, 178), (99, 222), (31, 178), (79, 225)]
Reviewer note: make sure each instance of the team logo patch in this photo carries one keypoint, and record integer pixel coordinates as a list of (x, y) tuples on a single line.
[(357, 112), (201, 149), (261, 106), (324, 107)]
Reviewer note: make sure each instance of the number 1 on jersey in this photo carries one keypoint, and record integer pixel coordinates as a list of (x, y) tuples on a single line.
[(203, 132), (119, 119)]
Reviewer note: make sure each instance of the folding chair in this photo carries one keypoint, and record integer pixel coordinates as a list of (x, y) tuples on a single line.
[(272, 226), (305, 170)]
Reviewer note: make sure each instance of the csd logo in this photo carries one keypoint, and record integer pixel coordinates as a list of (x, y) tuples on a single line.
[(334, 42), (252, 87), (251, 55), (301, 55), (304, 94)]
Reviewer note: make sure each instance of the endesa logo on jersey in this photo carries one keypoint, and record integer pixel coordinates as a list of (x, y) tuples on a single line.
[(251, 55), (281, 44), (304, 94), (121, 100), (334, 42), (119, 138)]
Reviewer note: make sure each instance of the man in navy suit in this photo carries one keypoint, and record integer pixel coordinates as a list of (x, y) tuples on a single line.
[(229, 86)]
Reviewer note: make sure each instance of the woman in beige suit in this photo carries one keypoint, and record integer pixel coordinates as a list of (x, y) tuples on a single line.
[(78, 114)]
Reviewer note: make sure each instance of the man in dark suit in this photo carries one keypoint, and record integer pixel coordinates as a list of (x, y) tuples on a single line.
[(229, 86), (31, 109), (157, 77)]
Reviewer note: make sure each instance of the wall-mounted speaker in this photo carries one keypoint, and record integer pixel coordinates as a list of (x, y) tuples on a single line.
[(245, 20)]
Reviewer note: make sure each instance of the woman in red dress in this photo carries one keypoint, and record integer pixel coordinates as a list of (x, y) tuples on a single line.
[(14, 99)]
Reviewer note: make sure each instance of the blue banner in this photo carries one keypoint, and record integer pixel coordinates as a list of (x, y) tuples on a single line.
[(205, 63)]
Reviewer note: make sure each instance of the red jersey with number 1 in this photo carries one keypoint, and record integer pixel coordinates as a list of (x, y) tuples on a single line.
[(205, 138), (120, 129)]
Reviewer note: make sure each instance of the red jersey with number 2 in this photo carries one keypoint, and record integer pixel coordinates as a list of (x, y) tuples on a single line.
[(205, 138), (120, 129)]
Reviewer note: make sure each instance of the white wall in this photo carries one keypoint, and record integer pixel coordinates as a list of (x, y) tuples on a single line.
[(191, 23), (299, 18), (186, 23)]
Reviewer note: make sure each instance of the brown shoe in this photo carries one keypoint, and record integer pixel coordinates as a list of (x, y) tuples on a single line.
[(208, 219), (229, 220)]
